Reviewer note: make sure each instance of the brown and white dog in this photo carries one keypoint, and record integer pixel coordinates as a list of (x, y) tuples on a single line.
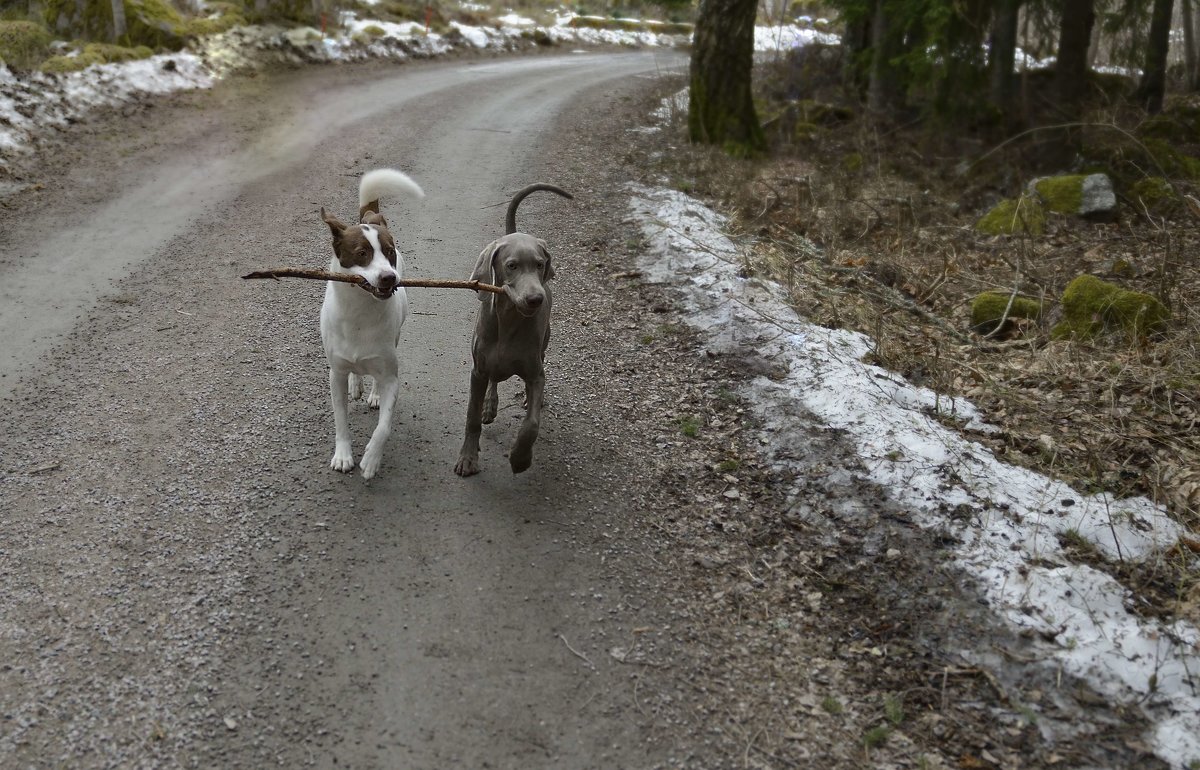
[(360, 326)]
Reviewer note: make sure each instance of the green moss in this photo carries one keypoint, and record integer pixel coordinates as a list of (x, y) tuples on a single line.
[(812, 111), (117, 53), (806, 131), (61, 65), (1010, 216), (1093, 307), (23, 44), (988, 308), (1156, 195), (94, 53), (1061, 194), (213, 25), (1171, 160), (152, 23), (853, 162)]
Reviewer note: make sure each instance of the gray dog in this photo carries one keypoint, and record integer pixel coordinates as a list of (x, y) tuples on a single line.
[(512, 331)]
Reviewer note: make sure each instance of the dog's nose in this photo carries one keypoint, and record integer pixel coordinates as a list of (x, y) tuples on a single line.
[(388, 281), (535, 300)]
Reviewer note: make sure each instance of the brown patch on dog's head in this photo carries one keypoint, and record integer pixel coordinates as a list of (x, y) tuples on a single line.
[(352, 244)]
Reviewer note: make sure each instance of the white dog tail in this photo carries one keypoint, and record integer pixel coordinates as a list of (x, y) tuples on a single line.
[(384, 181)]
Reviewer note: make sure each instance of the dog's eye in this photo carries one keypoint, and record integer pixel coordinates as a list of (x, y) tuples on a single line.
[(511, 265)]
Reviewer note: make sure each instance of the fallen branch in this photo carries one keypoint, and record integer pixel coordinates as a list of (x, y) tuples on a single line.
[(326, 275)]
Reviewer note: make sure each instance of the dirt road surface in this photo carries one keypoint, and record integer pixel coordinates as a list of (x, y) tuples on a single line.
[(185, 583)]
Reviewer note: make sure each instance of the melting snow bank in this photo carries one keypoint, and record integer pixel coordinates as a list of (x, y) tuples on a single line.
[(32, 104), (1005, 520)]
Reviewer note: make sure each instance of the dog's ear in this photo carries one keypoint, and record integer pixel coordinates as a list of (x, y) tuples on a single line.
[(335, 225), (372, 207), (372, 218), (485, 268), (548, 272)]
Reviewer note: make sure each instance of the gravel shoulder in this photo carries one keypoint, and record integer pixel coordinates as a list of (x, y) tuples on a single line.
[(187, 584)]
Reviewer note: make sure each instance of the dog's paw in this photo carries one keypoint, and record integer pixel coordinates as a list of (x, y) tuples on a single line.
[(373, 397), (520, 458), (488, 414), (356, 387), (343, 460), (370, 463), (467, 465)]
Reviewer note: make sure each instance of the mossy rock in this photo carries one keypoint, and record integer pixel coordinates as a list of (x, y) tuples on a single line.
[(1156, 195), (987, 309), (23, 44), (1061, 194), (1087, 195), (1014, 215), (1092, 307)]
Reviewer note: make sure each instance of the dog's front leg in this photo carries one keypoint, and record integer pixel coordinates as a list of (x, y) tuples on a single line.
[(468, 456), (520, 457), (373, 454), (343, 458)]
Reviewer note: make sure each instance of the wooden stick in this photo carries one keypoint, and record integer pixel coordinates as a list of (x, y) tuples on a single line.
[(326, 275)]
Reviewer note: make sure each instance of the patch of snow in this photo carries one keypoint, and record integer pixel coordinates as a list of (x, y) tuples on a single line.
[(514, 20), (675, 104), (784, 37), (38, 102), (1006, 520)]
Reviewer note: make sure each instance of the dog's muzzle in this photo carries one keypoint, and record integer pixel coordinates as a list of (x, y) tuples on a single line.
[(386, 288)]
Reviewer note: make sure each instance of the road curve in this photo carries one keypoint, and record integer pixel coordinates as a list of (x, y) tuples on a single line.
[(186, 583)]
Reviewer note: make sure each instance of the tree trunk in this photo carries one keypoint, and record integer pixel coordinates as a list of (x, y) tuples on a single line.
[(856, 39), (721, 106), (1152, 88), (885, 94), (118, 11), (1071, 70), (1002, 51), (1189, 47)]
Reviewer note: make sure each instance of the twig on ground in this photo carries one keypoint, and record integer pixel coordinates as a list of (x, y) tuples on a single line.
[(326, 275), (577, 653)]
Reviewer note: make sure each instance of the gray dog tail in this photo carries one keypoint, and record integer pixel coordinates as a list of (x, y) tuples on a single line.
[(510, 219)]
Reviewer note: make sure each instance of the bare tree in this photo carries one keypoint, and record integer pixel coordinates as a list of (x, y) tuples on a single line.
[(1152, 88), (721, 106), (885, 93), (1071, 69), (1189, 47), (1002, 51), (118, 12)]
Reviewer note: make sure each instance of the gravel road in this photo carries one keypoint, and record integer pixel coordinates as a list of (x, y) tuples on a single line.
[(185, 583)]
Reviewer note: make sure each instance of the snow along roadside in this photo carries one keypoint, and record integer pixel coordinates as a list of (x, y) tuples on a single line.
[(1009, 537), (36, 104)]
